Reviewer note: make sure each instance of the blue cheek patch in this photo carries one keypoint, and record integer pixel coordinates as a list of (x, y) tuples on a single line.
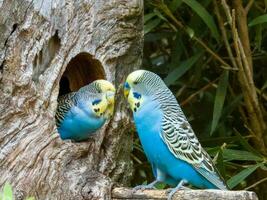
[(137, 95), (95, 102), (126, 85)]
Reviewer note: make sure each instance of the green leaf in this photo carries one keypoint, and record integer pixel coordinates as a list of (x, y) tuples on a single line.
[(151, 25), (264, 86), (181, 69), (245, 144), (205, 16), (177, 50), (153, 37), (258, 36), (232, 154), (30, 198), (238, 178), (232, 105), (212, 151), (220, 163), (211, 141), (149, 16), (161, 185), (159, 15), (7, 192), (174, 4), (190, 32), (219, 100), (258, 20)]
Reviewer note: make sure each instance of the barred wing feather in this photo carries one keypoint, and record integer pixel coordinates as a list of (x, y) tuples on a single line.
[(182, 142), (65, 102)]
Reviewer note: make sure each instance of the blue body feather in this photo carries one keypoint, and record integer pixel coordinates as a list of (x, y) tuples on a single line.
[(166, 167), (79, 122)]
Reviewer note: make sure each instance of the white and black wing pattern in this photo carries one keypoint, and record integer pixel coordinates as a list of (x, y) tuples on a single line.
[(65, 102), (182, 142), (177, 133)]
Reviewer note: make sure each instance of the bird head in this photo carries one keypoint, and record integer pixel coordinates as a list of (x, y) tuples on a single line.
[(103, 103), (134, 88)]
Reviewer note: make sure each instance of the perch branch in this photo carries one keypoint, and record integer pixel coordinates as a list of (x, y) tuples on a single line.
[(127, 193)]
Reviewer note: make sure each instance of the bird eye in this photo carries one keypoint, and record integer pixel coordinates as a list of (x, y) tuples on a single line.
[(95, 102), (135, 82)]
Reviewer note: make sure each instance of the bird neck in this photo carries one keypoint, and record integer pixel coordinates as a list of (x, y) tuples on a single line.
[(147, 109)]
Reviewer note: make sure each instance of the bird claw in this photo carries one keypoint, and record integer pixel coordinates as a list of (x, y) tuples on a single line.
[(171, 191), (181, 188), (145, 187)]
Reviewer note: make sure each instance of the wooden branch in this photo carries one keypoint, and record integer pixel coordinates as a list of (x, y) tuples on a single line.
[(224, 35), (249, 5), (241, 21), (245, 76), (127, 193), (188, 99)]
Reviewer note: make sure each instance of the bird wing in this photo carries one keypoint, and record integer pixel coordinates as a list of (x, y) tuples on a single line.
[(65, 102), (182, 142)]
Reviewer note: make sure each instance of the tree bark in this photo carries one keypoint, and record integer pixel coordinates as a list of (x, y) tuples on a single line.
[(125, 193), (38, 40)]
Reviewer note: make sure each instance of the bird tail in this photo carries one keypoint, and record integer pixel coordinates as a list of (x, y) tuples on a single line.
[(213, 178)]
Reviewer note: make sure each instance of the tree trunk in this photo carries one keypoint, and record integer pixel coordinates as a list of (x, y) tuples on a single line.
[(47, 47)]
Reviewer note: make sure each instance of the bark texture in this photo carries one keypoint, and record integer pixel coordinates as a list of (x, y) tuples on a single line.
[(124, 193), (37, 41)]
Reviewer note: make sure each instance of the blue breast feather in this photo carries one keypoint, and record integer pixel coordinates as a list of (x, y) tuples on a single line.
[(79, 123), (166, 167)]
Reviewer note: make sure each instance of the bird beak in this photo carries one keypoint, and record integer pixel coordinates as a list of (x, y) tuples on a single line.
[(111, 97)]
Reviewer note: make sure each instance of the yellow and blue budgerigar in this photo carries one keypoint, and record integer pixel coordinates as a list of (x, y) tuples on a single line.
[(79, 114), (175, 154)]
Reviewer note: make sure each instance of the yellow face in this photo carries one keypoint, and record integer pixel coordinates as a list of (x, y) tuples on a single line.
[(134, 98), (110, 96), (99, 107), (105, 105), (105, 86)]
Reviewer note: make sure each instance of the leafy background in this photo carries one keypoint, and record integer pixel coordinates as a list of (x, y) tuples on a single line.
[(186, 46), (7, 193)]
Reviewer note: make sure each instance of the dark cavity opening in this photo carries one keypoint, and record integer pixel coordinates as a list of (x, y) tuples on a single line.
[(81, 70)]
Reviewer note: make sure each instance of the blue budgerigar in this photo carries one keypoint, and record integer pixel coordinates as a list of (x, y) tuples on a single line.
[(172, 148), (79, 114)]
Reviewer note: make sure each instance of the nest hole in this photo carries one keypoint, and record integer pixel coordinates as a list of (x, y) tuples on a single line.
[(80, 71)]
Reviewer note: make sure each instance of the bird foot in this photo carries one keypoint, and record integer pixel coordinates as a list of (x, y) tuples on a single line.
[(145, 187), (180, 186)]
